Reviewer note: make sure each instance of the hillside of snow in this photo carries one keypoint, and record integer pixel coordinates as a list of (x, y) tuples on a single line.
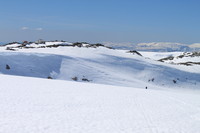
[(49, 106), (96, 64)]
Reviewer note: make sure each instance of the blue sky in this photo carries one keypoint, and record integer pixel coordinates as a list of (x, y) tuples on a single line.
[(132, 21)]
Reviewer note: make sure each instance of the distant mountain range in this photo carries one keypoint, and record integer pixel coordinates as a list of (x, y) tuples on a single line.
[(157, 46)]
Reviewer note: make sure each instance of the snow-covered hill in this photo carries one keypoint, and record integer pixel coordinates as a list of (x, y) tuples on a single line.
[(96, 64), (187, 58)]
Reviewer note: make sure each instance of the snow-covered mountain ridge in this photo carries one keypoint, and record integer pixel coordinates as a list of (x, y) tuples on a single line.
[(48, 44)]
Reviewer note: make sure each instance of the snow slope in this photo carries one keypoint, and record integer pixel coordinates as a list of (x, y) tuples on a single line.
[(98, 65), (31, 105)]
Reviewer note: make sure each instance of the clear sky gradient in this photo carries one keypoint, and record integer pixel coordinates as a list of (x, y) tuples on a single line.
[(101, 20)]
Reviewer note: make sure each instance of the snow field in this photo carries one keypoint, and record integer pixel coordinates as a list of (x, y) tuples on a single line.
[(49, 106)]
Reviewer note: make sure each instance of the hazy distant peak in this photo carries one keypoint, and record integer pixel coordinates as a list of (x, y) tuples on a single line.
[(159, 44), (195, 45)]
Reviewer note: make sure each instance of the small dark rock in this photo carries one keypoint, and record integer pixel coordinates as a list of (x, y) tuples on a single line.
[(49, 77), (174, 81), (75, 78), (84, 79), (7, 67), (135, 52)]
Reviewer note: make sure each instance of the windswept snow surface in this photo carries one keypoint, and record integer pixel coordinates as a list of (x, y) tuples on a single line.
[(31, 105)]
